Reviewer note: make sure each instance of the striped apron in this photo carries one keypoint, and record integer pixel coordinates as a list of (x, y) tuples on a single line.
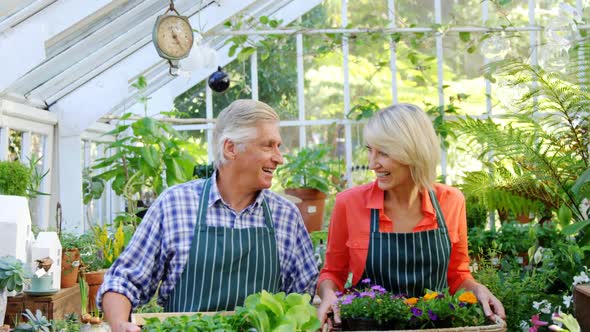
[(225, 265), (409, 263)]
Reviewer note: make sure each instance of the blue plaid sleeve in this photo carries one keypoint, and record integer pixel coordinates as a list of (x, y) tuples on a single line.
[(298, 266)]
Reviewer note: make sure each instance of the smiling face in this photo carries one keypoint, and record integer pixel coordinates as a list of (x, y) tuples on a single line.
[(390, 173), (259, 158)]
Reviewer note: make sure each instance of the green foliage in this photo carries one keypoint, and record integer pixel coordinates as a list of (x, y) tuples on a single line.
[(310, 167), (517, 290), (13, 274), (68, 324), (546, 143), (14, 178), (147, 156), (279, 312), (514, 238), (262, 311)]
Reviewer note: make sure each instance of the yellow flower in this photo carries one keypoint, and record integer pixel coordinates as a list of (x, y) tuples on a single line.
[(468, 297), (430, 296), (411, 301)]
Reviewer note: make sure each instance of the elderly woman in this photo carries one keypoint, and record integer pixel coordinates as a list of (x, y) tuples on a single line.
[(403, 231)]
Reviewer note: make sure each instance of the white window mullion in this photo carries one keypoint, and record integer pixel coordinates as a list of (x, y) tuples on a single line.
[(209, 116), (347, 129), (301, 89), (25, 147), (254, 74), (4, 142), (440, 66), (392, 51)]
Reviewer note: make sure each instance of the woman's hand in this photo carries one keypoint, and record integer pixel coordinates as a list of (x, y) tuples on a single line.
[(489, 303), (327, 292)]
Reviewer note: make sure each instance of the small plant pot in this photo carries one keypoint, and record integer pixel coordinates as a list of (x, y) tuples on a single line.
[(69, 268), (311, 206), (94, 280), (40, 284)]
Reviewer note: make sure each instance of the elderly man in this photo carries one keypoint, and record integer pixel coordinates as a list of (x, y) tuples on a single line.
[(212, 242)]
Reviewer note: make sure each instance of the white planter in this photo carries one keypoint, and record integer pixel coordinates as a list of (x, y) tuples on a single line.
[(15, 222), (47, 245)]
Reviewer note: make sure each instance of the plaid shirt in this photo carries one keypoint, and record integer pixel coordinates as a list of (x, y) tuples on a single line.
[(160, 246)]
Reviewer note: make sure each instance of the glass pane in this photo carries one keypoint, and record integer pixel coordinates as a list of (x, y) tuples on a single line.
[(37, 146), (325, 15), (290, 137), (503, 96), (416, 69), (360, 162), (367, 13), (462, 74), (461, 12), (277, 76), (508, 13), (15, 138), (192, 102), (324, 87), (417, 12), (370, 73)]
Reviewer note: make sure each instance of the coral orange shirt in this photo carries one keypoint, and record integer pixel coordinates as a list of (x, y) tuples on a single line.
[(348, 237)]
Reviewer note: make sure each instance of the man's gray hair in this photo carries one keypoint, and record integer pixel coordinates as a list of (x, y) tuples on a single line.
[(238, 122)]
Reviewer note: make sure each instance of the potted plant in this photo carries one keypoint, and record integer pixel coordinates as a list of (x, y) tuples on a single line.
[(12, 278), (308, 175)]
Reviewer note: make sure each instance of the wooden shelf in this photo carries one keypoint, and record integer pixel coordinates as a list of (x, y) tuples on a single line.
[(55, 306)]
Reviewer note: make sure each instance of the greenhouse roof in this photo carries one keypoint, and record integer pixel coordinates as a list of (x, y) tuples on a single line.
[(70, 55)]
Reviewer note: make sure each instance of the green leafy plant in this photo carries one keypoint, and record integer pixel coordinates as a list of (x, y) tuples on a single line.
[(545, 144), (310, 167), (279, 312), (13, 274), (14, 178), (147, 155)]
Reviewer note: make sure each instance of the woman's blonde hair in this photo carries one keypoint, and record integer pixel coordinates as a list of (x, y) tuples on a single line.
[(406, 134), (237, 122)]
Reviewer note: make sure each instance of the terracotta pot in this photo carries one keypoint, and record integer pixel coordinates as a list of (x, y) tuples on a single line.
[(94, 280), (70, 262), (311, 206)]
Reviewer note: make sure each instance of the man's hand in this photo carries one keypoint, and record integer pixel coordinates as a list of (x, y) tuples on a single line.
[(124, 327)]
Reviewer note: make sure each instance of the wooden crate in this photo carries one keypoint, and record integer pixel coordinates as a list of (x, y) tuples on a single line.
[(54, 306), (582, 305)]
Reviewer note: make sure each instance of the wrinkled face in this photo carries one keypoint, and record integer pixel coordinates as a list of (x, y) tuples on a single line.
[(390, 173), (260, 157)]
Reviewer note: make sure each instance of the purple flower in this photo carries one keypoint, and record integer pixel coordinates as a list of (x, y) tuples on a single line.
[(432, 315), (440, 296), (366, 281), (378, 288), (368, 294), (338, 293), (416, 311), (462, 304), (348, 299), (451, 306)]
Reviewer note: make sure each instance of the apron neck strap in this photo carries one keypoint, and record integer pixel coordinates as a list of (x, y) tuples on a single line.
[(439, 215)]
